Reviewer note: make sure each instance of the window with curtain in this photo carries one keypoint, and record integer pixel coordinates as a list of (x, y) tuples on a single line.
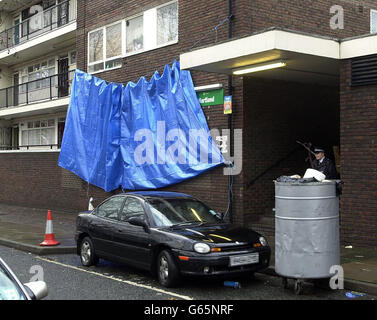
[(38, 132), (39, 71)]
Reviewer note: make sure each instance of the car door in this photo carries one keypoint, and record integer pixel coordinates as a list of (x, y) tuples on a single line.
[(104, 224), (133, 242)]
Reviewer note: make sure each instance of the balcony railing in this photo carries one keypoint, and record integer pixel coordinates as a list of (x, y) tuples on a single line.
[(29, 147), (48, 88), (40, 23)]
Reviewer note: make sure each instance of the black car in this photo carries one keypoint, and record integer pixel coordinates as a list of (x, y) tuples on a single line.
[(170, 234)]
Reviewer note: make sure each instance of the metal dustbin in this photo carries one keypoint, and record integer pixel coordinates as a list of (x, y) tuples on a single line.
[(306, 231)]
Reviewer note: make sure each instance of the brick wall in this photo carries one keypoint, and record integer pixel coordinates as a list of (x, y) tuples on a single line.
[(358, 136), (311, 16), (35, 180)]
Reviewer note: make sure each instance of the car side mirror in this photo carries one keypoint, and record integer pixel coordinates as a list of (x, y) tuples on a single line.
[(138, 222), (37, 290)]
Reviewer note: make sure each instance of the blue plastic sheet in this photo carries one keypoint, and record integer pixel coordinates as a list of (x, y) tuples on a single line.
[(146, 135)]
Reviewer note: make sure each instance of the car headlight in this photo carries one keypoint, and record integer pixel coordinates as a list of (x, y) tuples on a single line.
[(202, 247), (263, 241)]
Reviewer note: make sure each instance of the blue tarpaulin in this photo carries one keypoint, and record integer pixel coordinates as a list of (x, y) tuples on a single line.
[(140, 136)]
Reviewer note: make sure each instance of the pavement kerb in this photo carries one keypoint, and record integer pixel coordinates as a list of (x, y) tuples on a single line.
[(39, 250), (349, 284)]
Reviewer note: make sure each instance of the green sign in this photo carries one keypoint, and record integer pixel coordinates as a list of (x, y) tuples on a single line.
[(211, 98)]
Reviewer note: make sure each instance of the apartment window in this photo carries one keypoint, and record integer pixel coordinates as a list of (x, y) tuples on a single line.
[(167, 23), (113, 43), (134, 34), (38, 132), (96, 50), (72, 57), (373, 21), (39, 71), (105, 47), (151, 29)]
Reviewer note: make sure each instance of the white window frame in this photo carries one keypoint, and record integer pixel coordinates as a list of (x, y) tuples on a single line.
[(149, 38), (104, 58), (172, 41), (24, 72), (24, 127), (372, 12), (124, 38)]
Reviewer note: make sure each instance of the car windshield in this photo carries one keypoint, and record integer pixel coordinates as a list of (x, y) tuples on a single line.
[(9, 290), (180, 211)]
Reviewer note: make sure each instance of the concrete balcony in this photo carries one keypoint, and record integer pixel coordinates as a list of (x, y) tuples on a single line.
[(49, 94), (45, 31)]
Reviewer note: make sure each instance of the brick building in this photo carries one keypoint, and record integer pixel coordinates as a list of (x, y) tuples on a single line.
[(324, 93)]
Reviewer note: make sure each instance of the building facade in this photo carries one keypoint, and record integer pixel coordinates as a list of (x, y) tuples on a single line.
[(325, 93)]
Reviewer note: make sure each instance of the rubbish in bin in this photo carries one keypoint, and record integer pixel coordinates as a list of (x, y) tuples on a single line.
[(290, 179), (354, 294), (232, 284)]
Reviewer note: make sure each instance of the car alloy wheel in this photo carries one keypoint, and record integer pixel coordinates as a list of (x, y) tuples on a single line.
[(167, 271), (164, 268), (87, 254)]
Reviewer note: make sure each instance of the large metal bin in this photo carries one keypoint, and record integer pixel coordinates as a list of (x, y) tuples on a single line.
[(306, 230)]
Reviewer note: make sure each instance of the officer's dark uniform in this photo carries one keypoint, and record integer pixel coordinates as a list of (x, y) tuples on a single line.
[(326, 167)]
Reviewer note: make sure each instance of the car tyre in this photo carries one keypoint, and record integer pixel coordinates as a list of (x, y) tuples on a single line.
[(167, 271), (87, 253)]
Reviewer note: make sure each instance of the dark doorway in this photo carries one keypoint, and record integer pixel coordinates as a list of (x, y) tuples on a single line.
[(61, 126), (63, 77), (15, 90)]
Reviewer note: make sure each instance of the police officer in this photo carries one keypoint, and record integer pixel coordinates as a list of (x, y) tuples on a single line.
[(324, 164)]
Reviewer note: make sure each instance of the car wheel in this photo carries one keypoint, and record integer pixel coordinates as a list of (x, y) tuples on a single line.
[(167, 270), (87, 254)]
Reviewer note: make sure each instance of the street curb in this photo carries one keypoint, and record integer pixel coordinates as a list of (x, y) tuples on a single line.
[(39, 250), (349, 284)]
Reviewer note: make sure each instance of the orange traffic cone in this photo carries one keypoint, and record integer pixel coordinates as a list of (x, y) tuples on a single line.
[(49, 236)]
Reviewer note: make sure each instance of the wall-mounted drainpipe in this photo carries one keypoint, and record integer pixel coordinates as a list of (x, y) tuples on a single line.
[(230, 125)]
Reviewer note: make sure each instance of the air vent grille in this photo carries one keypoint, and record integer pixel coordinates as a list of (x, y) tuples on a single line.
[(364, 71)]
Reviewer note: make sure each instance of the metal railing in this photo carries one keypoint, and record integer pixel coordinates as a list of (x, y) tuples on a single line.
[(27, 147), (38, 24), (48, 88)]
